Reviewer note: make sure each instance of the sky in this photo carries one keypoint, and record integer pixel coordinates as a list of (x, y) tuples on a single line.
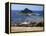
[(22, 7)]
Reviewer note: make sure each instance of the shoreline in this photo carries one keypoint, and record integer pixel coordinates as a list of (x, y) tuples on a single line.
[(23, 29)]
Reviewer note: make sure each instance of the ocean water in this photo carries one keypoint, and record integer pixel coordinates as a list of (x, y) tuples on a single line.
[(17, 18)]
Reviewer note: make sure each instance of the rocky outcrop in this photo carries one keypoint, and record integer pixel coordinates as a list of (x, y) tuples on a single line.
[(26, 10)]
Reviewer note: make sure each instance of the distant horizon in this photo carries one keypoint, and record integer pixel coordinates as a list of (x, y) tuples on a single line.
[(30, 7), (31, 10)]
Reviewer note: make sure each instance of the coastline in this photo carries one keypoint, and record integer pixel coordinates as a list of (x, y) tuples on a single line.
[(22, 29)]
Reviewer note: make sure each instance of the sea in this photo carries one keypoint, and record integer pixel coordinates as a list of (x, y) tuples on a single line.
[(17, 18)]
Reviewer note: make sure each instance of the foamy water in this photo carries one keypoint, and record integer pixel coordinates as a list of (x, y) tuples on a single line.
[(17, 18)]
